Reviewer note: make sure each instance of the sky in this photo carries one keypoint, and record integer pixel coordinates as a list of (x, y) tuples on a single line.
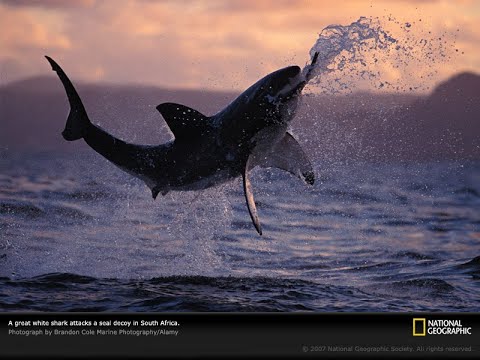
[(217, 45)]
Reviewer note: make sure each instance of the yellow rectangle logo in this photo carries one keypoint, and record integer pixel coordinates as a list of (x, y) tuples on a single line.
[(419, 327)]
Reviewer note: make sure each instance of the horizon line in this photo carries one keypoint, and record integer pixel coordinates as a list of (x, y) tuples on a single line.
[(107, 83)]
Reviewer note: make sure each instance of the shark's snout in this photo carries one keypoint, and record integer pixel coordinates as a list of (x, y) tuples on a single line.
[(285, 83), (290, 71), (283, 77)]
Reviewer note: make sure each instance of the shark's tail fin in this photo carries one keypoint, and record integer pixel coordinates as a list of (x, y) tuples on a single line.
[(77, 121)]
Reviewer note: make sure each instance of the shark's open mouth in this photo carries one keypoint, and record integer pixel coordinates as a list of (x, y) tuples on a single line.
[(298, 82)]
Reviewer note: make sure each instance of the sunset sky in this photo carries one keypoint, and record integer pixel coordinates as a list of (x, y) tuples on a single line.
[(223, 45)]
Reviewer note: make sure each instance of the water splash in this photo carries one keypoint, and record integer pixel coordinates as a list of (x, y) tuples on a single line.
[(379, 53), (197, 224), (341, 48)]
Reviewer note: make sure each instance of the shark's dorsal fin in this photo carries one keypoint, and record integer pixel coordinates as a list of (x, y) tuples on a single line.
[(184, 122), (289, 156), (247, 188)]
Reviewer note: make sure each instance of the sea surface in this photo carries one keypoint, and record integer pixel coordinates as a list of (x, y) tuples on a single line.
[(78, 234)]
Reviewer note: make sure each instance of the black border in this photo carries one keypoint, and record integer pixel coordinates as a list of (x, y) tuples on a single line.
[(244, 335)]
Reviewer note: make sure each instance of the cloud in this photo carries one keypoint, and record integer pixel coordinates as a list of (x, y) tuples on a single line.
[(213, 44), (25, 31), (49, 3)]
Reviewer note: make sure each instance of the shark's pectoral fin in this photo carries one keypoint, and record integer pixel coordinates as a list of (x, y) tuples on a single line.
[(289, 156), (185, 123), (247, 187)]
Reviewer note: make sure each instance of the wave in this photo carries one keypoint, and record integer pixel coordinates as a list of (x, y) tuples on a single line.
[(71, 292), (471, 267), (467, 191), (352, 195), (20, 208), (423, 291), (413, 255), (30, 210), (429, 284)]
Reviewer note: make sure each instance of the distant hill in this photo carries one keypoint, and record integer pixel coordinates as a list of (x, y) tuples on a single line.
[(447, 123), (377, 127), (33, 111), (443, 125)]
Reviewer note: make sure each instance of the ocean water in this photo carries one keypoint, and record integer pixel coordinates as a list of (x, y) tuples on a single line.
[(77, 234)]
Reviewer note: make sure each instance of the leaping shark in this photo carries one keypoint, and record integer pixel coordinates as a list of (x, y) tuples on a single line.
[(208, 150)]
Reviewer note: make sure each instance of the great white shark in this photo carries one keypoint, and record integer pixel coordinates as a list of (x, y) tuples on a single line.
[(208, 150)]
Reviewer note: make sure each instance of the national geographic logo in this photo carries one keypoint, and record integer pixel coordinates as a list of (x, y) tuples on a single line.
[(419, 327), (423, 327)]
